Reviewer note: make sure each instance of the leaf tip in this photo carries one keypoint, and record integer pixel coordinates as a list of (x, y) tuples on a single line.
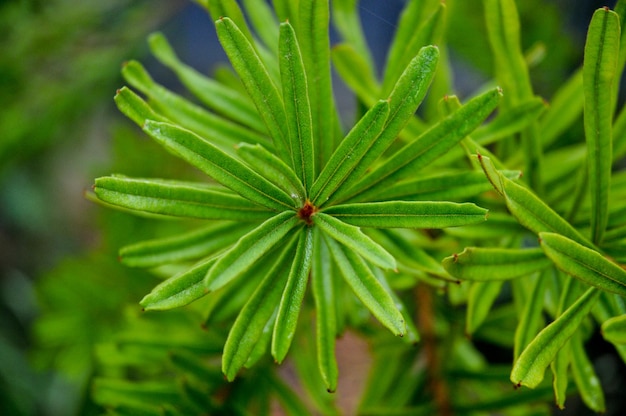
[(331, 390)]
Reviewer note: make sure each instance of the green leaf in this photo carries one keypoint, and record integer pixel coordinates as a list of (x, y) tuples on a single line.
[(510, 121), (249, 325), (614, 330), (188, 115), (183, 247), (583, 263), (258, 83), (446, 186), (179, 199), (367, 288), (352, 238), (565, 108), (263, 21), (529, 369), (322, 286), (297, 106), (407, 95), (479, 303), (531, 320), (414, 31), (134, 107), (349, 153), (272, 168), (586, 379), (403, 214), (429, 146), (216, 96), (355, 72), (250, 248), (179, 290), (223, 168), (292, 297), (599, 71), (529, 210), (314, 37), (484, 264)]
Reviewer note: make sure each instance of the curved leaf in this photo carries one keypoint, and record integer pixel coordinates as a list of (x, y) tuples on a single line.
[(250, 248), (529, 210), (367, 288), (250, 323), (529, 369), (179, 199), (614, 330), (179, 290), (403, 214), (223, 168), (585, 377), (183, 247), (430, 145), (583, 263), (352, 238), (484, 264)]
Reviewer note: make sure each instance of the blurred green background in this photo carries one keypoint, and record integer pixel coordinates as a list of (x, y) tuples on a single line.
[(61, 288)]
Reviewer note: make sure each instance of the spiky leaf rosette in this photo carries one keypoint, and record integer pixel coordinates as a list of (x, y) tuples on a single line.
[(288, 194)]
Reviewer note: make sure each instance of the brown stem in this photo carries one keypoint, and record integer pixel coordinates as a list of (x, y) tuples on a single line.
[(426, 324)]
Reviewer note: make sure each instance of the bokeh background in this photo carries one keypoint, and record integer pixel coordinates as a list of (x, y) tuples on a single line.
[(61, 288)]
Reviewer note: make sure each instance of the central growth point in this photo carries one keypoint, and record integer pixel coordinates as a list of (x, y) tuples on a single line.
[(306, 212)]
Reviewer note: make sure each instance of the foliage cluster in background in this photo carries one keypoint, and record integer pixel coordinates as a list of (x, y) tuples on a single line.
[(313, 224)]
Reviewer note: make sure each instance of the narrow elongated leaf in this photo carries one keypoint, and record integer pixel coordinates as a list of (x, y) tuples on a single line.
[(273, 169), (292, 297), (349, 153), (599, 70), (426, 148), (134, 107), (322, 286), (356, 73), (503, 27), (565, 108), (407, 95), (510, 121), (402, 214), (484, 264), (408, 40), (352, 237), (263, 21), (249, 325), (529, 369), (223, 168), (250, 248), (448, 186), (258, 83), (297, 106), (614, 330), (179, 199), (531, 320), (562, 361), (529, 210), (358, 275), (585, 376), (479, 303), (179, 110), (183, 247), (218, 97), (583, 263), (179, 290), (314, 36)]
